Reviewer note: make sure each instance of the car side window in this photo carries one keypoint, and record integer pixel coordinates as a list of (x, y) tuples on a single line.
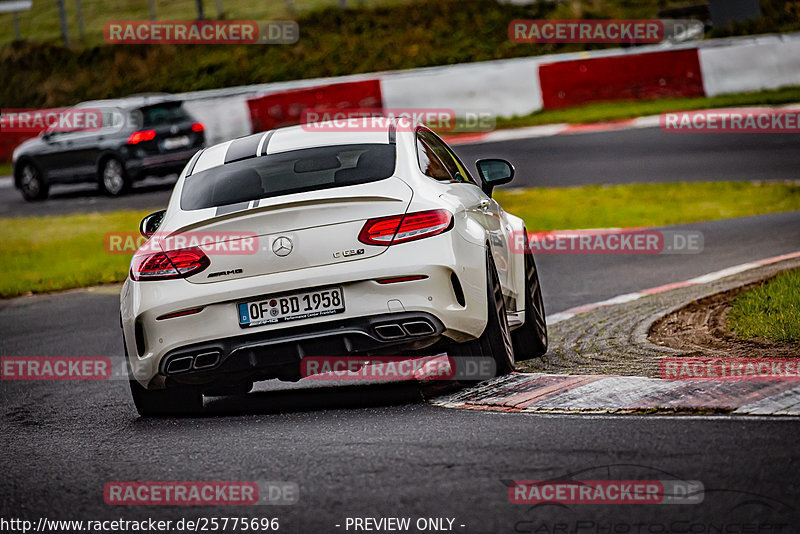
[(455, 168), (430, 164)]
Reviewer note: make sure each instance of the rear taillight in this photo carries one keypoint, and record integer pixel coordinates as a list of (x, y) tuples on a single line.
[(402, 228), (143, 135), (168, 265), (198, 127)]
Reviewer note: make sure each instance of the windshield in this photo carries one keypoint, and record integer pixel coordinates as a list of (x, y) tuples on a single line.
[(290, 172)]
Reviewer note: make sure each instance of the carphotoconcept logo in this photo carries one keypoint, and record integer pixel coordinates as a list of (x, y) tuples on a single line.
[(608, 241), (201, 32), (760, 369)]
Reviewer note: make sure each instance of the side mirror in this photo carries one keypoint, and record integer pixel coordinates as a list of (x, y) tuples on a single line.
[(494, 172), (150, 224)]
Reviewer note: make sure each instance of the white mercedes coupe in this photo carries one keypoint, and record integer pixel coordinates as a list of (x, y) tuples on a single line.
[(295, 243)]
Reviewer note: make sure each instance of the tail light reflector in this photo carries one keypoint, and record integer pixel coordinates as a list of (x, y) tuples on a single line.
[(140, 136), (169, 265), (403, 228), (198, 127)]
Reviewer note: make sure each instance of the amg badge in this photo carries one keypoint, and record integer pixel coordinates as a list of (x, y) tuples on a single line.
[(225, 273)]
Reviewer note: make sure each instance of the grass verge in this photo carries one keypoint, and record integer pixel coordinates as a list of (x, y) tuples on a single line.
[(43, 254), (770, 311), (600, 206), (611, 111)]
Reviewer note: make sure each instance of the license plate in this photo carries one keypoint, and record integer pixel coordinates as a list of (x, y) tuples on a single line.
[(176, 142), (291, 307)]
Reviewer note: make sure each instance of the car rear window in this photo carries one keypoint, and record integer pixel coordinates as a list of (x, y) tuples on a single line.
[(289, 172), (161, 114)]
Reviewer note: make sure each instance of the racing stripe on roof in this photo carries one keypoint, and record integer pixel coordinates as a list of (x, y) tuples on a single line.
[(262, 146), (243, 148)]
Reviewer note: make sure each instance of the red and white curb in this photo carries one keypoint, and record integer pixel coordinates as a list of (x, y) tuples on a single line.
[(601, 393), (540, 392), (706, 278), (547, 130)]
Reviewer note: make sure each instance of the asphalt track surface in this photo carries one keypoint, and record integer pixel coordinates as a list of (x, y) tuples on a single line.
[(646, 155), (378, 450)]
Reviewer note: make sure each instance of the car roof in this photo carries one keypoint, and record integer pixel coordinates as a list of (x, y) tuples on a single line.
[(130, 102), (326, 133)]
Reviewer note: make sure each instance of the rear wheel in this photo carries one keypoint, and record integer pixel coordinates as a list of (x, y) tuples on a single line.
[(530, 339), (114, 179), (32, 183), (163, 402), (495, 342)]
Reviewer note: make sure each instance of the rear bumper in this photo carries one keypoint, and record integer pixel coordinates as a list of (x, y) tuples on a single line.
[(152, 343), (262, 355)]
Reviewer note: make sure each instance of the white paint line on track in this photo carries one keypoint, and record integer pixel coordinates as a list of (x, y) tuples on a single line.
[(704, 279)]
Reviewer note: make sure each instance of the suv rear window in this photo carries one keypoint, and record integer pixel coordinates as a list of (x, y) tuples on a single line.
[(295, 171), (161, 114)]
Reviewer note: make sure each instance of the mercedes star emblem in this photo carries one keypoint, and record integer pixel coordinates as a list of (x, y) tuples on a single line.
[(282, 246)]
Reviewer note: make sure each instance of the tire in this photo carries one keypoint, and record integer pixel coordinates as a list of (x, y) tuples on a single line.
[(113, 178), (495, 342), (530, 339), (32, 183), (163, 402)]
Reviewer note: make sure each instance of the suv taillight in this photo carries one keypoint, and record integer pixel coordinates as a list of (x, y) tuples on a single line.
[(143, 135), (169, 265), (403, 228), (198, 127)]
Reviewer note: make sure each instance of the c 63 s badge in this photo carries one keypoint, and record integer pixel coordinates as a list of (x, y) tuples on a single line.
[(347, 253), (225, 273)]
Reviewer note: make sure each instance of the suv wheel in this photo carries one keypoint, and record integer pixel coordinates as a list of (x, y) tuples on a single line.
[(113, 178), (32, 183)]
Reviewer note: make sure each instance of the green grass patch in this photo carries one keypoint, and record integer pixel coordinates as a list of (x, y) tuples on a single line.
[(610, 111), (770, 311), (601, 206), (43, 254)]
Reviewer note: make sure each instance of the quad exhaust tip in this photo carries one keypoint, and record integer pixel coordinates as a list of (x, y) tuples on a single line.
[(406, 329), (205, 360)]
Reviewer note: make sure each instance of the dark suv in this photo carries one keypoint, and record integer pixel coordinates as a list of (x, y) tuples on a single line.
[(150, 135)]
